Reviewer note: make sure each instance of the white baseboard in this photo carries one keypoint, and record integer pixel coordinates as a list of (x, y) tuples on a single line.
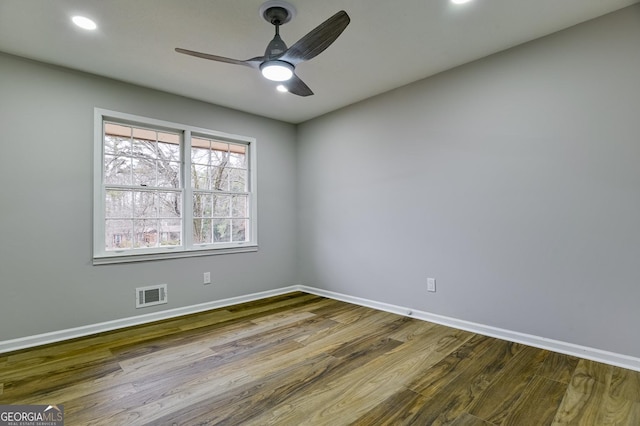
[(72, 333), (611, 358)]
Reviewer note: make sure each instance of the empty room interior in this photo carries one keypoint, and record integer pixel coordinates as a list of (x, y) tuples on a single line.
[(432, 216)]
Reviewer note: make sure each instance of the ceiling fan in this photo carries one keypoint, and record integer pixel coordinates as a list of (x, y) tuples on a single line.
[(279, 62)]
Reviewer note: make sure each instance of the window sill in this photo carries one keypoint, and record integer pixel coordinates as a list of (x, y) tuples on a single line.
[(146, 257)]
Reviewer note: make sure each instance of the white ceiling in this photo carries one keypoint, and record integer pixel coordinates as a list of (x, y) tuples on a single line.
[(387, 45)]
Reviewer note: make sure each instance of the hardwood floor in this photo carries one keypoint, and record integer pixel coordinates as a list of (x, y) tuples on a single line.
[(301, 359)]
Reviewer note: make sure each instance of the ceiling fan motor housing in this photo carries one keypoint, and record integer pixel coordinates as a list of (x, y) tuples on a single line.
[(275, 48)]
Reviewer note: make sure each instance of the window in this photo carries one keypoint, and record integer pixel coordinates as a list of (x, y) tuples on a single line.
[(220, 198), (169, 190)]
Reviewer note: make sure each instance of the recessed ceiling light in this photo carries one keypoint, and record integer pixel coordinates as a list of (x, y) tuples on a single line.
[(282, 88), (460, 1), (84, 22)]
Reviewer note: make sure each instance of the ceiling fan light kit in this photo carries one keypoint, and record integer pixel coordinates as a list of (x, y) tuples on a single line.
[(279, 62), (277, 70)]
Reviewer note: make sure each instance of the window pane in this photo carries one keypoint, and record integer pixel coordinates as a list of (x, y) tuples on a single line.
[(197, 142), (170, 232), (168, 174), (145, 233), (200, 177), (114, 134), (201, 231), (200, 156), (144, 172), (117, 129), (118, 234), (117, 170), (221, 204), (221, 230), (116, 145), (145, 134), (201, 204), (144, 204), (169, 204), (219, 154), (118, 204), (238, 148), (172, 138), (238, 180), (238, 156), (239, 230), (220, 178), (168, 152), (144, 148), (239, 206)]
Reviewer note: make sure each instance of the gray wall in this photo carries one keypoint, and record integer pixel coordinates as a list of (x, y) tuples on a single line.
[(47, 281), (514, 181)]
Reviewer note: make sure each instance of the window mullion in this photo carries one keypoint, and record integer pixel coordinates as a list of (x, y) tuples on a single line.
[(188, 191)]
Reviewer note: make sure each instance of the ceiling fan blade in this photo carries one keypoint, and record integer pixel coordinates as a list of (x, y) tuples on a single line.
[(252, 63), (297, 87), (317, 40)]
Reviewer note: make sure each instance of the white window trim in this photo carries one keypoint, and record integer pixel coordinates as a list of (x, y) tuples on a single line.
[(101, 256)]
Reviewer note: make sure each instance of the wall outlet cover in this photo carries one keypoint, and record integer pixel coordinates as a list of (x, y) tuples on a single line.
[(431, 284)]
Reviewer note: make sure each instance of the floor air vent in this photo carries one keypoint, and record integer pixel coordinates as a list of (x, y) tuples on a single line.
[(152, 295)]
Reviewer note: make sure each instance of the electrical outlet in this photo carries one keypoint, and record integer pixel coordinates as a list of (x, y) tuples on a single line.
[(431, 285), (207, 278)]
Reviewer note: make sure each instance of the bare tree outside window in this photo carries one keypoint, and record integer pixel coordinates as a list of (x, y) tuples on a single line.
[(143, 192), (219, 179), (163, 189)]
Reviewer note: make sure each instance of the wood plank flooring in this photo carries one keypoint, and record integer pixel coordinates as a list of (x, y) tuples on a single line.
[(300, 359)]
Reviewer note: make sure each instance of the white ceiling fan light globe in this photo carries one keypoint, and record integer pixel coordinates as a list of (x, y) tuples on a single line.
[(277, 70)]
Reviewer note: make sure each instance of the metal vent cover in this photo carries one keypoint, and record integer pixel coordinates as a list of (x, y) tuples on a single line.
[(151, 295)]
